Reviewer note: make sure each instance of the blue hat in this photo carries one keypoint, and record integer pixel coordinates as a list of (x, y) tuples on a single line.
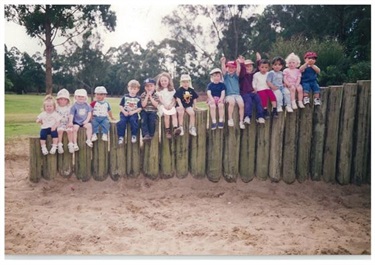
[(149, 81)]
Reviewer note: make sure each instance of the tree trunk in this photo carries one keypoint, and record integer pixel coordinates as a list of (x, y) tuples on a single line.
[(48, 51)]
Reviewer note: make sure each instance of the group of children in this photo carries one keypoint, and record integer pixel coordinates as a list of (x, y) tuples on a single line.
[(237, 82)]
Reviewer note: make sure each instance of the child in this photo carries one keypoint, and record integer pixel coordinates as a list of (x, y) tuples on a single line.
[(149, 114), (167, 107), (186, 99), (80, 116), (264, 92), (275, 82), (49, 120), (231, 71), (215, 98), (130, 106), (63, 108), (309, 78), (292, 79), (100, 113), (249, 95)]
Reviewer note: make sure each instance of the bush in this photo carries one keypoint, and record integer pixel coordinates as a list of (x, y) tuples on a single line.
[(359, 71)]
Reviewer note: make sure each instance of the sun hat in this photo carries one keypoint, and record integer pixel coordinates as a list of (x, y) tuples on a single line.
[(231, 64), (63, 93), (310, 54), (215, 70), (80, 92), (185, 77), (248, 62), (100, 90), (149, 81)]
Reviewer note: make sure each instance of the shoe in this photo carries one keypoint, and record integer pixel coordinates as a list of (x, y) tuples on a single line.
[(261, 120), (275, 115), (280, 109), (76, 148), (60, 148), (89, 143), (317, 102), (44, 150), (147, 138), (71, 148), (120, 140), (242, 125), (247, 120), (294, 105), (266, 114), (306, 100), (300, 105), (288, 108), (220, 125), (213, 126), (230, 123), (134, 139), (168, 133), (53, 149), (177, 131), (181, 130), (104, 137), (193, 131), (94, 137)]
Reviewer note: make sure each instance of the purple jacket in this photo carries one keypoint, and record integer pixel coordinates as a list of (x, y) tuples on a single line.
[(246, 80)]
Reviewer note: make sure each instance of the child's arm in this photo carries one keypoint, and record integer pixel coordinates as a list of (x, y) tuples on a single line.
[(223, 68), (145, 99), (89, 115), (155, 102), (111, 115), (194, 104), (238, 67), (315, 68), (179, 103), (123, 110), (209, 95)]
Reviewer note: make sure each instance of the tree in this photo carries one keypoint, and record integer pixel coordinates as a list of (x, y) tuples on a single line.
[(47, 22)]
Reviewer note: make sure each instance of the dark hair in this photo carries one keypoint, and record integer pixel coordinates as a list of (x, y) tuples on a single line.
[(263, 61), (278, 59)]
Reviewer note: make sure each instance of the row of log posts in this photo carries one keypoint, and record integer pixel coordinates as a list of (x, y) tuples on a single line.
[(330, 142)]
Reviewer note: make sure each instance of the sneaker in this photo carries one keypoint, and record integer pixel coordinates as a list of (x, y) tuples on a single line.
[(294, 105), (60, 148), (134, 139), (317, 101), (247, 120), (213, 126), (275, 115), (181, 130), (288, 108), (104, 137), (89, 143), (53, 149), (120, 140), (44, 150), (193, 131), (71, 148), (242, 125), (261, 120), (76, 148), (306, 100), (280, 109), (177, 131), (266, 114), (220, 125), (230, 123), (300, 105), (94, 137)]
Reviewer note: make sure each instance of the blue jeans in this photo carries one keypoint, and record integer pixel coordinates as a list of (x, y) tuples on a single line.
[(121, 125), (282, 97), (45, 132), (148, 122), (250, 99), (100, 122)]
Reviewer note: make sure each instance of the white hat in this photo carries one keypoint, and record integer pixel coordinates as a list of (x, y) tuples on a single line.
[(63, 93), (100, 90), (80, 92), (216, 70), (248, 62)]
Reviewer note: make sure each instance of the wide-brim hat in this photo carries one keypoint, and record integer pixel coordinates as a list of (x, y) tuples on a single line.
[(80, 92), (247, 62), (63, 93), (216, 70), (100, 90)]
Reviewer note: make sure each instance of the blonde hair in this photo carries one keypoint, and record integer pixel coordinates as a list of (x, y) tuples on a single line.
[(170, 83), (49, 99), (134, 83), (293, 57)]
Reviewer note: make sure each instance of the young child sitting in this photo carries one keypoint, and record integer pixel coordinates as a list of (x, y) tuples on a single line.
[(309, 78), (130, 106), (186, 98), (292, 79), (215, 98), (101, 111), (63, 108), (49, 120), (149, 114)]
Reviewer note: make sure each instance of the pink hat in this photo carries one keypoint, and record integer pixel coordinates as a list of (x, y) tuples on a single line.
[(231, 64)]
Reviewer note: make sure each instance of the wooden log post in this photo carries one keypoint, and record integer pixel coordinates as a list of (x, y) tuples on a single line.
[(49, 162), (263, 150), (82, 158), (367, 162), (182, 150), (345, 138), (197, 146), (36, 160), (117, 155), (100, 159), (317, 145), (231, 147), (65, 160), (290, 147), (332, 131), (248, 150), (133, 155), (276, 147), (167, 159), (215, 147), (151, 155), (361, 154)]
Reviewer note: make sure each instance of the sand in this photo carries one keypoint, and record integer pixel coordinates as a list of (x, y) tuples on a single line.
[(180, 216)]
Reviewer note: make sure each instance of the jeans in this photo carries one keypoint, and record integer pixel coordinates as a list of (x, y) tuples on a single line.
[(100, 122), (149, 119), (282, 97), (121, 125), (250, 99)]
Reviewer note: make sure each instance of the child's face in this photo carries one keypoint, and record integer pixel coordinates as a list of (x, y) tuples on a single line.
[(263, 68), (216, 77), (62, 102), (277, 66), (164, 82), (150, 87), (100, 97), (49, 107), (249, 68), (133, 90), (292, 64), (310, 60), (80, 99), (231, 69), (185, 84)]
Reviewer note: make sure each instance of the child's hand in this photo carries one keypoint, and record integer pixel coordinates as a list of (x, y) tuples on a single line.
[(38, 121), (222, 59)]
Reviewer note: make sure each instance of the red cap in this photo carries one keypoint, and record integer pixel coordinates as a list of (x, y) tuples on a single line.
[(231, 64), (310, 54)]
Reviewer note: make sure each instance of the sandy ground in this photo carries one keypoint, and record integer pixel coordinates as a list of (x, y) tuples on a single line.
[(180, 216)]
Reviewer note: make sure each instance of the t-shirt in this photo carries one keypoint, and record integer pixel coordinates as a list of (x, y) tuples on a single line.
[(232, 84), (49, 119), (130, 103), (64, 113), (100, 108), (150, 106), (291, 75), (276, 78), (260, 81), (186, 96), (80, 112), (216, 89)]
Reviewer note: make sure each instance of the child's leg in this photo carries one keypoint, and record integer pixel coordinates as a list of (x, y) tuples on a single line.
[(121, 126), (221, 111), (248, 105), (167, 121), (180, 113), (286, 95), (43, 138), (174, 120), (191, 113), (212, 106), (292, 92), (231, 101), (133, 120), (144, 123), (60, 133), (75, 133), (272, 98), (152, 118), (105, 126), (258, 105), (241, 107), (279, 98), (88, 128), (95, 125), (263, 98), (55, 137)]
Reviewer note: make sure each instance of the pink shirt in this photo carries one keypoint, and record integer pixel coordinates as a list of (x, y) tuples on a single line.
[(292, 75)]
